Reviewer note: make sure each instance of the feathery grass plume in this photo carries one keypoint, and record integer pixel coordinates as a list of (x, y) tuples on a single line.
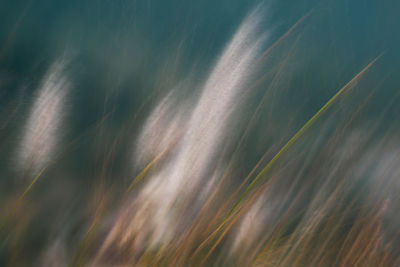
[(42, 131), (163, 203), (163, 126)]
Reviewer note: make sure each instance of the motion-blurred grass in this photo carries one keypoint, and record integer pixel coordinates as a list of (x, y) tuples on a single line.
[(293, 186)]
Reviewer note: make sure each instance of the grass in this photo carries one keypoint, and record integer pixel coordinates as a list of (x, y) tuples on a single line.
[(326, 197)]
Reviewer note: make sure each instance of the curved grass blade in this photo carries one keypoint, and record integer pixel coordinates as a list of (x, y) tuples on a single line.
[(296, 136)]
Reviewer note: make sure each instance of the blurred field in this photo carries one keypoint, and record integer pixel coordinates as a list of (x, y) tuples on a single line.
[(199, 133)]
